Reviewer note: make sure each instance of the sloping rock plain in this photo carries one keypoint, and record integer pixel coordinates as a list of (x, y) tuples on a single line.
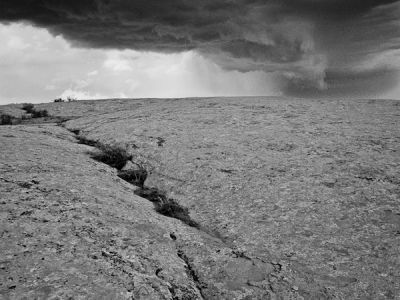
[(294, 199)]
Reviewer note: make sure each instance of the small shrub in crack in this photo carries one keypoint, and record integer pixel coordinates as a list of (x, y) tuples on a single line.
[(113, 156), (85, 141), (167, 206), (75, 131), (175, 210), (136, 177)]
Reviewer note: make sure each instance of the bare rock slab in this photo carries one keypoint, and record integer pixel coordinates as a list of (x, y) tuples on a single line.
[(295, 199)]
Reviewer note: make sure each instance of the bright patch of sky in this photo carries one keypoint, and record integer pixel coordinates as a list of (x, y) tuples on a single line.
[(39, 67)]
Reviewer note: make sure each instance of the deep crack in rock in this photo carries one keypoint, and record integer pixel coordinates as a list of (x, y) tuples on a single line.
[(117, 157)]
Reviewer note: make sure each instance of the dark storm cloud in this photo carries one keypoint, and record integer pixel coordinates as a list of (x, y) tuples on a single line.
[(333, 9), (313, 45), (281, 51)]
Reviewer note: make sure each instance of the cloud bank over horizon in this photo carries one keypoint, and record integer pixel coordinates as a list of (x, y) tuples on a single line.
[(37, 67), (307, 48)]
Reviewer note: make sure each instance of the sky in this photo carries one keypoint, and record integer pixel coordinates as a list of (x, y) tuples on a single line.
[(91, 49)]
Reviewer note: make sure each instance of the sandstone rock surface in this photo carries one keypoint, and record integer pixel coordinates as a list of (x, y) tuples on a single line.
[(296, 199)]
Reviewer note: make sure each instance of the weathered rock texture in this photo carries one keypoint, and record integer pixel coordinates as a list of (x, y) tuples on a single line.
[(294, 199)]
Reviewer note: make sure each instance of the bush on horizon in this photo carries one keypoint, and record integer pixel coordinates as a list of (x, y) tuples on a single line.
[(6, 119), (40, 113), (30, 109)]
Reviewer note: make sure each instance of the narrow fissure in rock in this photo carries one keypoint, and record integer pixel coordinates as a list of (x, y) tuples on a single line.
[(192, 272), (117, 157)]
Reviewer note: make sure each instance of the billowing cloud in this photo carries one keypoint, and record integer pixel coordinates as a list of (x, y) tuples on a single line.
[(310, 45), (36, 67)]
